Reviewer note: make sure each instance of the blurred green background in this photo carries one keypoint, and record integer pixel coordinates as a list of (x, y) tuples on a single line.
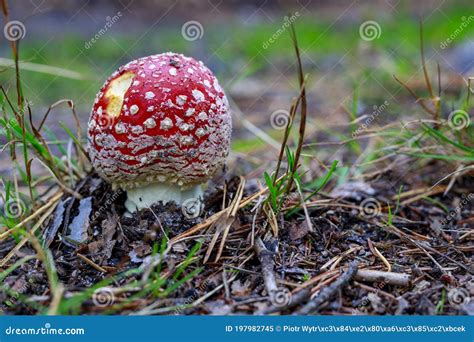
[(247, 44)]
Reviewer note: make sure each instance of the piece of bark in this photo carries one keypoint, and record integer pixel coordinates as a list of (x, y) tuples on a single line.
[(390, 278)]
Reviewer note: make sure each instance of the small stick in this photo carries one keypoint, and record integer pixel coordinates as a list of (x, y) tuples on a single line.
[(305, 209), (374, 290), (328, 292), (226, 285), (91, 263), (278, 296), (377, 253), (233, 212), (391, 278), (268, 264)]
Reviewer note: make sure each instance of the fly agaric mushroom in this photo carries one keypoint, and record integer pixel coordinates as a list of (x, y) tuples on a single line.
[(159, 128)]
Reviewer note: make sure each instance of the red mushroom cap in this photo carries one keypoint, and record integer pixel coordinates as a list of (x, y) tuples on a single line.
[(161, 118)]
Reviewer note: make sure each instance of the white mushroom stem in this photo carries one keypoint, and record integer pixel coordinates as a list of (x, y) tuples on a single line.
[(147, 195)]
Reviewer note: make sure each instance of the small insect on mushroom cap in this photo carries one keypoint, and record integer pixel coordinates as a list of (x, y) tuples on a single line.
[(161, 118)]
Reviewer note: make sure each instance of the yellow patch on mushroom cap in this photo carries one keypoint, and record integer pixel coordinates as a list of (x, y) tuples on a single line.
[(116, 91)]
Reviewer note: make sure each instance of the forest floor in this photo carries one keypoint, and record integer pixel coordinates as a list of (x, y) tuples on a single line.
[(333, 208)]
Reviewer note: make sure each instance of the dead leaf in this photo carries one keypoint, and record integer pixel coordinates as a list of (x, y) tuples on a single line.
[(298, 230)]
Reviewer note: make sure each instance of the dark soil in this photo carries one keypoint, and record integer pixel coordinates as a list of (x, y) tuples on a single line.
[(436, 254)]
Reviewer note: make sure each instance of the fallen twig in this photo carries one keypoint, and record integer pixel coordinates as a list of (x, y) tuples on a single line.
[(329, 291), (91, 263), (268, 265), (390, 278)]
